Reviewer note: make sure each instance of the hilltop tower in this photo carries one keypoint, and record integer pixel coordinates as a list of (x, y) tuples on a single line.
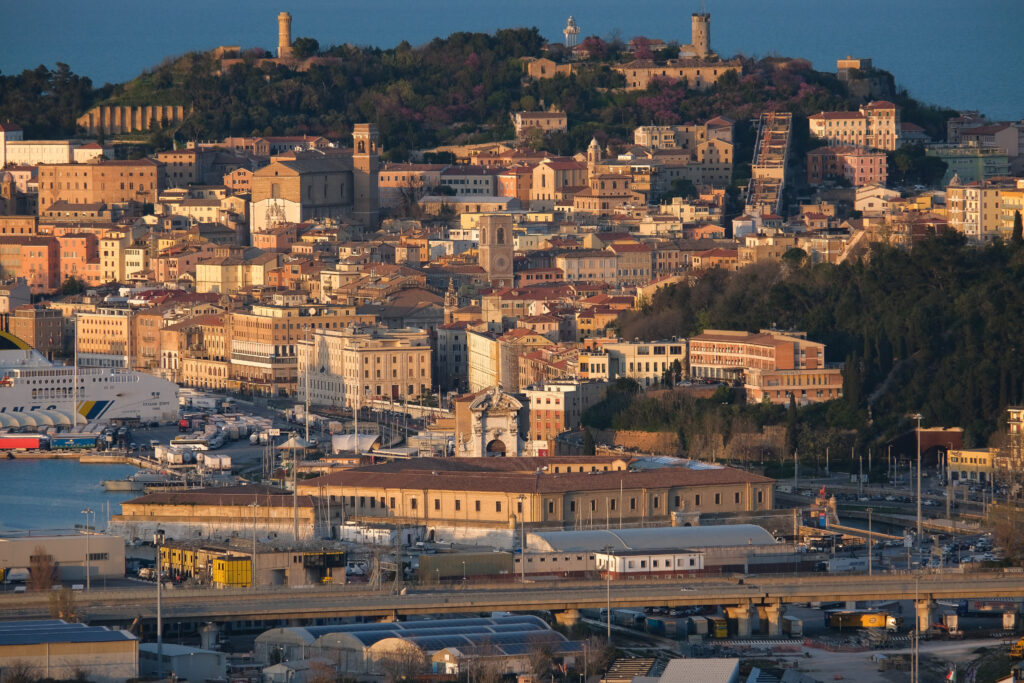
[(496, 249), (571, 33), (284, 35), (451, 302), (700, 34), (593, 157), (365, 165)]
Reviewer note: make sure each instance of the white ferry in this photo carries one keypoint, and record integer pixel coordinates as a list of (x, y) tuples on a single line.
[(37, 393)]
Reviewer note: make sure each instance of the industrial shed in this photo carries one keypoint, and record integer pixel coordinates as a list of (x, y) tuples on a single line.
[(366, 648), (651, 538), (55, 649)]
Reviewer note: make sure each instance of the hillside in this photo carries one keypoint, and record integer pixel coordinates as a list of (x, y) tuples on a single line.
[(455, 89)]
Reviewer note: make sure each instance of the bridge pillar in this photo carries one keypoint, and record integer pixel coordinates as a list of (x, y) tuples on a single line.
[(772, 612), (568, 617), (924, 614), (1010, 621), (741, 615)]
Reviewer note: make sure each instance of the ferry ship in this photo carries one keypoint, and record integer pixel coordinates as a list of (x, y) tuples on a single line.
[(35, 392)]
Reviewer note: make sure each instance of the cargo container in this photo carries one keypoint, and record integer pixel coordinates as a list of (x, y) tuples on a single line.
[(846, 619), (629, 618), (235, 573), (24, 442), (718, 627), (77, 441), (793, 627), (699, 626), (667, 627)]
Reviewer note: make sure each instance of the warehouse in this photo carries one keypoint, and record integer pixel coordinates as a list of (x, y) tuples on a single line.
[(67, 552), (55, 649), (380, 647), (451, 496)]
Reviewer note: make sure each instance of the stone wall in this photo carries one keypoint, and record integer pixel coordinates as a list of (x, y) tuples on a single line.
[(115, 119), (656, 443)]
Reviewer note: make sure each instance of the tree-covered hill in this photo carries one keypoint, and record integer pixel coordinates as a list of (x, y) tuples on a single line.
[(455, 89), (938, 329)]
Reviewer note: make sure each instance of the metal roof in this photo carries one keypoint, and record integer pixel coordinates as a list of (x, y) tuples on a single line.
[(653, 538), (57, 631)]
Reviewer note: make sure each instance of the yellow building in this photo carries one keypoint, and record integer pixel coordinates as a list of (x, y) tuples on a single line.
[(560, 492), (972, 466)]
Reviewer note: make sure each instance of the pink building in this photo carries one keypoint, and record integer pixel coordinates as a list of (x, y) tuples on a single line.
[(36, 259), (79, 257), (859, 165)]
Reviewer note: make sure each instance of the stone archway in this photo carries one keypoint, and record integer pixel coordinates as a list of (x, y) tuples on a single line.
[(495, 448)]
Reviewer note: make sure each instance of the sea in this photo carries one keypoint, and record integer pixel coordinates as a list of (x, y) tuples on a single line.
[(963, 55), (46, 495)]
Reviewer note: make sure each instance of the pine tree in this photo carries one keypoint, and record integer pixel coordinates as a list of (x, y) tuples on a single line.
[(1017, 237)]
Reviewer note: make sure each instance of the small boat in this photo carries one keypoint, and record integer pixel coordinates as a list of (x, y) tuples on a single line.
[(138, 481)]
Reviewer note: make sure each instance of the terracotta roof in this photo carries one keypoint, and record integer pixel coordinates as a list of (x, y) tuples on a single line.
[(494, 475), (229, 496)]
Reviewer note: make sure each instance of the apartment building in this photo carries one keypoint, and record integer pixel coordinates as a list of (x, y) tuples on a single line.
[(859, 165), (645, 362), (353, 365), (557, 406), (36, 259), (875, 124), (100, 181), (264, 351), (772, 365)]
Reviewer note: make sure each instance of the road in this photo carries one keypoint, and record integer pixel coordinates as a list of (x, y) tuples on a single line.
[(113, 606)]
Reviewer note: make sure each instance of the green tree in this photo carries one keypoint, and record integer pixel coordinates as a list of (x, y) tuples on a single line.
[(1017, 237), (589, 448), (305, 47)]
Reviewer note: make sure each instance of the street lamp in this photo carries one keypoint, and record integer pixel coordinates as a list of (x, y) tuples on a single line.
[(522, 535), (870, 542), (252, 563), (463, 571), (917, 416), (158, 540), (88, 573), (608, 589)]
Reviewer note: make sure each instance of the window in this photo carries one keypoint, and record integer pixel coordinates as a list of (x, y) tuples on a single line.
[(497, 506), (437, 503), (572, 506), (392, 502), (458, 505), (760, 496), (696, 500), (718, 499), (519, 504), (477, 506), (632, 503), (551, 507), (736, 497), (412, 503), (677, 501)]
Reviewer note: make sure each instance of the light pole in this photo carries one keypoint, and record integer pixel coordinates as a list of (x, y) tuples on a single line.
[(88, 557), (252, 563), (870, 543), (917, 416), (522, 534), (608, 589), (463, 571), (158, 540)]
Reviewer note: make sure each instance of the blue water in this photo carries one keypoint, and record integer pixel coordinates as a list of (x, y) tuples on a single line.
[(51, 494), (962, 55)]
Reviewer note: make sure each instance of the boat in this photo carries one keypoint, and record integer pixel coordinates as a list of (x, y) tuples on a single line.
[(139, 481), (35, 392)]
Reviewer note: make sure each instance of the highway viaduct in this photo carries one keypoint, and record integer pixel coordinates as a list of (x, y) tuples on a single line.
[(768, 595)]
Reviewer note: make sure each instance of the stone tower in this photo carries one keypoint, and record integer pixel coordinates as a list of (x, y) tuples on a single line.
[(700, 33), (451, 302), (365, 165), (496, 249), (593, 157), (571, 33), (284, 35)]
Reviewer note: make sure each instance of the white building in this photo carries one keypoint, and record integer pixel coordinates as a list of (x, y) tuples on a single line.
[(646, 362), (385, 363)]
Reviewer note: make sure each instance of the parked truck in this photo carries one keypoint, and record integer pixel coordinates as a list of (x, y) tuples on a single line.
[(74, 442), (793, 627), (843, 619), (24, 442)]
